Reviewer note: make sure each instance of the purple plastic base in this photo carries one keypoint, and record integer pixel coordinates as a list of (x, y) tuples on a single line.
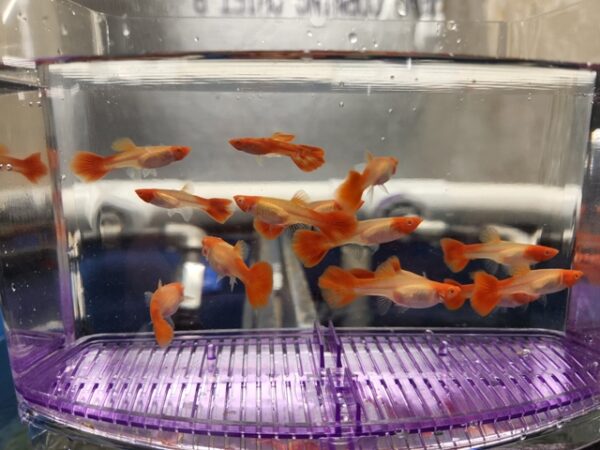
[(320, 383)]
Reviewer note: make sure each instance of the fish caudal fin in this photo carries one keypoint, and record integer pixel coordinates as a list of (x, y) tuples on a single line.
[(308, 158), (259, 284), (33, 168), (89, 166), (486, 294), (310, 246), (337, 286), (458, 301), (163, 331), (267, 230), (454, 254), (219, 209), (337, 224), (349, 194)]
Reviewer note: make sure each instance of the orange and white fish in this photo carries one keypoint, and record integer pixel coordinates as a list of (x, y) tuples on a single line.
[(228, 261), (406, 289), (328, 205), (377, 172), (306, 157), (163, 304), (31, 167), (312, 246), (217, 208), (512, 301), (489, 290), (515, 255), (273, 215), (91, 167)]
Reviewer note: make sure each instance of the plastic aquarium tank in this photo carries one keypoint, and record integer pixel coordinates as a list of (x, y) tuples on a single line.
[(489, 127)]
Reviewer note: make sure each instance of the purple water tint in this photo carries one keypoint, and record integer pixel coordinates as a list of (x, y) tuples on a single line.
[(321, 383)]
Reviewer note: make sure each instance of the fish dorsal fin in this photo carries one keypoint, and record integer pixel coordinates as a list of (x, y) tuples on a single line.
[(159, 284), (369, 156), (389, 267), (241, 249), (3, 149), (123, 145), (283, 137), (188, 188), (519, 271), (489, 234), (452, 282), (301, 198), (383, 305)]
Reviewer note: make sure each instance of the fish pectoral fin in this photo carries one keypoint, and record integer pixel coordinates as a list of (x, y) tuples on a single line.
[(283, 137), (301, 198), (382, 186), (267, 230), (159, 283), (232, 281), (489, 234), (389, 267), (188, 188), (170, 321), (148, 297), (242, 249), (519, 271), (382, 305), (123, 145), (524, 298)]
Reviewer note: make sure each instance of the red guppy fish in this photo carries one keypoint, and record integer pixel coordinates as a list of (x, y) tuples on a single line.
[(163, 304), (306, 157), (31, 167)]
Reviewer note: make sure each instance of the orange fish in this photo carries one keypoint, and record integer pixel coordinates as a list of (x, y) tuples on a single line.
[(312, 246), (526, 284), (406, 289), (228, 261), (306, 157), (378, 171), (515, 255), (163, 304), (512, 301), (217, 208), (91, 167), (272, 216), (31, 167)]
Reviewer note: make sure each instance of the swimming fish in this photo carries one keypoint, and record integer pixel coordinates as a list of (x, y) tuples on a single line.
[(511, 301), (515, 255), (328, 205), (273, 215), (31, 167), (228, 261), (91, 167), (312, 246), (377, 172), (217, 208), (406, 289), (163, 304), (489, 290), (306, 157)]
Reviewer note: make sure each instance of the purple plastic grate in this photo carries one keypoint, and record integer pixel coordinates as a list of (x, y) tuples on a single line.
[(319, 384)]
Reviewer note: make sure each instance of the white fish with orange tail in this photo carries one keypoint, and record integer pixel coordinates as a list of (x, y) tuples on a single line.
[(31, 167), (306, 157), (511, 301), (228, 261), (312, 246), (164, 302), (406, 289), (513, 254), (377, 172), (273, 215), (489, 290), (183, 200), (91, 167)]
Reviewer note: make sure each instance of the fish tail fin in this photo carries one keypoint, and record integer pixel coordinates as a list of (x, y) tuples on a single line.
[(458, 301), (309, 158), (454, 254), (259, 284), (310, 246), (337, 224), (486, 294), (163, 331), (34, 168), (89, 166), (337, 286), (349, 193), (219, 209)]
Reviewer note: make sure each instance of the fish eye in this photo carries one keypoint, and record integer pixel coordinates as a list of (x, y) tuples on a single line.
[(409, 222)]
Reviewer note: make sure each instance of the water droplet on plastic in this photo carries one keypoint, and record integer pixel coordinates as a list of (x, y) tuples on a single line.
[(529, 96), (319, 43), (73, 12), (363, 49), (428, 332), (559, 425), (459, 40), (63, 177), (414, 108), (375, 44), (196, 39), (353, 38), (522, 437), (390, 110), (382, 138), (39, 104), (309, 33), (317, 21), (13, 287), (401, 8), (443, 348), (126, 31), (341, 104), (392, 77), (34, 309), (451, 25), (63, 30), (8, 167), (30, 103)]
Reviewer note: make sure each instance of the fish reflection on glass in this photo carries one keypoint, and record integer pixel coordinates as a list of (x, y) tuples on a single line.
[(217, 208), (273, 215), (164, 303), (91, 167), (306, 157), (228, 261), (31, 167), (312, 246), (489, 291), (405, 289), (378, 170), (516, 256)]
